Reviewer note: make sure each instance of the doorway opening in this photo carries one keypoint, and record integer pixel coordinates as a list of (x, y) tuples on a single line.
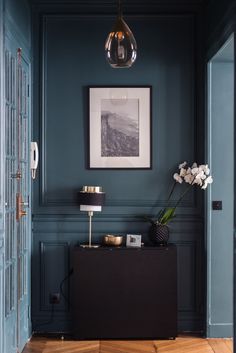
[(220, 199)]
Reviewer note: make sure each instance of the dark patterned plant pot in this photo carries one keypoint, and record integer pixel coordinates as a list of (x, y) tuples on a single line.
[(159, 234)]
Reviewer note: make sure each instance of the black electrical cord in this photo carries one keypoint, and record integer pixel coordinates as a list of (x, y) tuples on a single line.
[(61, 286), (52, 307)]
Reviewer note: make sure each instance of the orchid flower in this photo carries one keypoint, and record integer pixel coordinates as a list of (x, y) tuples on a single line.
[(182, 165), (189, 178), (178, 178), (182, 172), (207, 181), (195, 171), (198, 175)]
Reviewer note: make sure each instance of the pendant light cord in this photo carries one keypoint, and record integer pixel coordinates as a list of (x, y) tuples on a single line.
[(119, 8)]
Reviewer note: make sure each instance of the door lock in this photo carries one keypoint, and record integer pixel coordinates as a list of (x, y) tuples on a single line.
[(17, 175), (19, 203)]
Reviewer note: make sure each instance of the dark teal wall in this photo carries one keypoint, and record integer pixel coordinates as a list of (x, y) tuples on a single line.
[(73, 59), (218, 11), (220, 21), (69, 56)]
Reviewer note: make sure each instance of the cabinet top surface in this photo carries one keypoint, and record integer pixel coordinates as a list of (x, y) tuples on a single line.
[(124, 248)]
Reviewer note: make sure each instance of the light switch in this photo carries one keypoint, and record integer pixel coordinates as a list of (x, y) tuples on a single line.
[(217, 205)]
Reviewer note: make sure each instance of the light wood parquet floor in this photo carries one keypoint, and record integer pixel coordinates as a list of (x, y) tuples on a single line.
[(180, 345)]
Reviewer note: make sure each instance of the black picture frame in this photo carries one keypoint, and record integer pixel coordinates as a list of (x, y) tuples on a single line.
[(120, 120)]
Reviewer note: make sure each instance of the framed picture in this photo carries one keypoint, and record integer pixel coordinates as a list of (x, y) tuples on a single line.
[(120, 127), (133, 240)]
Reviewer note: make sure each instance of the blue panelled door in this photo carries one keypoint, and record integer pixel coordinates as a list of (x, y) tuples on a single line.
[(17, 199)]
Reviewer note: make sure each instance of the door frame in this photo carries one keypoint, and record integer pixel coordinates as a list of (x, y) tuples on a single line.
[(2, 144), (215, 329)]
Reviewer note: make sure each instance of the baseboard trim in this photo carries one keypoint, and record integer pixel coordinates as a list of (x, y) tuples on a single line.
[(220, 331)]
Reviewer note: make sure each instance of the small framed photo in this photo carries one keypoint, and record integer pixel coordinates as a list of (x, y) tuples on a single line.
[(120, 127), (133, 240)]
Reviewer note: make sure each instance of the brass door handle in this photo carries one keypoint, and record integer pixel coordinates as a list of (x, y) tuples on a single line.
[(19, 211)]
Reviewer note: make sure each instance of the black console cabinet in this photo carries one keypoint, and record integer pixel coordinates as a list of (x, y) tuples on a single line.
[(125, 293)]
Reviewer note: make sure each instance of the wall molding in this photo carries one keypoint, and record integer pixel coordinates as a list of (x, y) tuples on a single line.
[(44, 295), (44, 199), (58, 219), (189, 314), (81, 216), (93, 6), (46, 202), (225, 330)]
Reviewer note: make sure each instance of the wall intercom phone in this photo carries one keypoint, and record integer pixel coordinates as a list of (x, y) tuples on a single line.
[(34, 158)]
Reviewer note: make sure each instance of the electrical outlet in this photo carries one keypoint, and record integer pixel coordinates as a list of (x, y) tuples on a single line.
[(54, 298)]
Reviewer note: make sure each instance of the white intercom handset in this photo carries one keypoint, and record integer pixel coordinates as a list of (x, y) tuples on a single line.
[(34, 158)]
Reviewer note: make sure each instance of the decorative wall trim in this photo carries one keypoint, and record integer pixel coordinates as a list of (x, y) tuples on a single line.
[(193, 248), (2, 130), (1, 264), (45, 271), (114, 2), (44, 200), (120, 203), (168, 6), (59, 221), (189, 313), (81, 217), (225, 330)]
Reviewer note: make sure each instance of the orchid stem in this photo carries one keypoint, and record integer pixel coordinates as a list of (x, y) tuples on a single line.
[(162, 212), (184, 193)]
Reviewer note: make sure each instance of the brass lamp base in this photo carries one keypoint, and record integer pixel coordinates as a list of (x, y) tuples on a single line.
[(87, 246)]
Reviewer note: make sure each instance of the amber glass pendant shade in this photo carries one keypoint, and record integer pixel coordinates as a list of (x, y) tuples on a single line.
[(120, 46)]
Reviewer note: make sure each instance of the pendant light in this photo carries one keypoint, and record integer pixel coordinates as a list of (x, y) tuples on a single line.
[(120, 46)]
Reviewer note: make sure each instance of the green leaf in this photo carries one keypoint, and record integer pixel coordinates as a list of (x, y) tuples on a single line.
[(148, 219), (168, 215), (160, 214)]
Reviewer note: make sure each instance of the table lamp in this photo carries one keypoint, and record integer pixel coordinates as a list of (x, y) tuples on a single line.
[(91, 199)]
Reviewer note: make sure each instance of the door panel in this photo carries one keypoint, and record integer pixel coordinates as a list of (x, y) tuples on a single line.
[(23, 226), (17, 182), (10, 191)]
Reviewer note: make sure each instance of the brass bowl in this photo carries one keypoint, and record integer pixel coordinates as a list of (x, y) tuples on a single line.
[(112, 240)]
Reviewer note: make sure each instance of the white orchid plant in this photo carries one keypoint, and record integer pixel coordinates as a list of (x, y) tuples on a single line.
[(198, 175)]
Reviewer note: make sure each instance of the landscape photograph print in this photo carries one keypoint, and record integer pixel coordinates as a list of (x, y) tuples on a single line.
[(119, 128)]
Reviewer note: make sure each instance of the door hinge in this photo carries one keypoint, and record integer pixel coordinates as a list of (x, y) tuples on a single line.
[(28, 90)]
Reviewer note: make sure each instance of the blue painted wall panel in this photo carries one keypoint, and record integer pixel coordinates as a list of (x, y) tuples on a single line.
[(70, 68), (71, 58), (221, 223), (220, 24)]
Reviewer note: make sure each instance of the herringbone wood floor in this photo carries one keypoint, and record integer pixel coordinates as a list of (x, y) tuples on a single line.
[(180, 345)]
